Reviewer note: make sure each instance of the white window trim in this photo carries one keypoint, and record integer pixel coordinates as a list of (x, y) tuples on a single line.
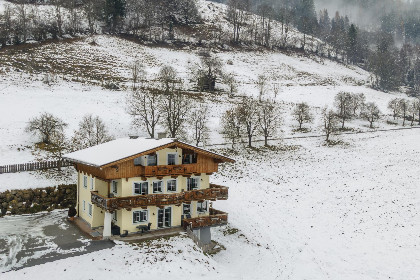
[(163, 186), (115, 216), (176, 185), (147, 160), (172, 216), (92, 183), (112, 187), (84, 206), (190, 204), (140, 182), (198, 182), (176, 157), (90, 206), (85, 181), (147, 217), (207, 207)]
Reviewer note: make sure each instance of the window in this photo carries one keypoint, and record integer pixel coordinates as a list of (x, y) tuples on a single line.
[(202, 207), (92, 182), (151, 160), (171, 159), (140, 216), (138, 161), (192, 183), (114, 215), (84, 206), (186, 209), (171, 185), (157, 187), (114, 188), (90, 209), (85, 181), (141, 188), (189, 158)]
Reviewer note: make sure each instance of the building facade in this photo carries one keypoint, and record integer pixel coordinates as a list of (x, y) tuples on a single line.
[(134, 183)]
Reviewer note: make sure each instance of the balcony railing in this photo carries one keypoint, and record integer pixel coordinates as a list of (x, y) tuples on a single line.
[(170, 170), (216, 218), (215, 192)]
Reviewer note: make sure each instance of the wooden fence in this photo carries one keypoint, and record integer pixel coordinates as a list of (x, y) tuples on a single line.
[(31, 166)]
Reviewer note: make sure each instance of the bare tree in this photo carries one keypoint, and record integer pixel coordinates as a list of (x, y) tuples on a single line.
[(230, 81), (45, 126), (145, 109), (92, 131), (175, 109), (268, 120), (58, 147), (198, 122), (371, 113), (343, 103), (262, 86), (404, 106), (302, 114), (276, 90), (357, 102), (168, 77), (414, 109), (138, 73), (330, 122), (208, 71), (230, 126), (417, 105), (248, 118), (394, 105), (236, 14)]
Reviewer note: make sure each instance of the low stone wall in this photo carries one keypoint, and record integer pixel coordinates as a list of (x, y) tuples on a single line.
[(36, 200)]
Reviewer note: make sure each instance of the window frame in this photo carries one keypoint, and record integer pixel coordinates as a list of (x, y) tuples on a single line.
[(90, 209), (92, 183), (175, 158), (140, 221), (116, 186), (114, 216), (161, 186), (183, 208), (84, 205), (197, 185), (167, 185), (85, 181), (207, 206), (148, 160), (141, 187)]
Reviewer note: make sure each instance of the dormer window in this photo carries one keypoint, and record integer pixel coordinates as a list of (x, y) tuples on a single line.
[(152, 160)]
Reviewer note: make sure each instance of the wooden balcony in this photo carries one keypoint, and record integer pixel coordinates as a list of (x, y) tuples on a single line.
[(215, 192), (216, 218), (174, 170)]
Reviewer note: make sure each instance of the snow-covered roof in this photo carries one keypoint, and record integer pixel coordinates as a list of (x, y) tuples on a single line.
[(115, 150), (125, 148)]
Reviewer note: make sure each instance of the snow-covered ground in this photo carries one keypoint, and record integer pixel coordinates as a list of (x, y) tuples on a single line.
[(24, 96), (304, 211)]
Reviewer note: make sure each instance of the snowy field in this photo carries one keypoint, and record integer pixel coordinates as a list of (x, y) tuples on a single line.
[(304, 211), (24, 96)]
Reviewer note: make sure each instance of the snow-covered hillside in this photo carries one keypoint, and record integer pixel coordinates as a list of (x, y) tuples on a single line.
[(304, 211), (24, 95), (300, 210)]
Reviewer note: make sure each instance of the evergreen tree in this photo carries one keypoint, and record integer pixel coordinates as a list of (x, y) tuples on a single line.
[(114, 11)]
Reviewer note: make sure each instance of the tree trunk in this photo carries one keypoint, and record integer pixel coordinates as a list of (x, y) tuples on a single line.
[(249, 141)]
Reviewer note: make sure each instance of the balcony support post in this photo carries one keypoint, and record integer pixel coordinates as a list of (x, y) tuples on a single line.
[(107, 225)]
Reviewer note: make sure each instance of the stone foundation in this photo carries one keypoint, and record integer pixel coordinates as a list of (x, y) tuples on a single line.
[(37, 200)]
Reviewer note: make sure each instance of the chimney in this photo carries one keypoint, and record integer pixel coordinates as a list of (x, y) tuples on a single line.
[(161, 135)]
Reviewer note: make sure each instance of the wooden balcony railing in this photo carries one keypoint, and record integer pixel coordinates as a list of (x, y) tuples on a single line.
[(171, 170), (215, 192), (216, 218)]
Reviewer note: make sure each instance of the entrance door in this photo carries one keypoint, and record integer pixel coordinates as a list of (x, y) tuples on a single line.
[(164, 217)]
